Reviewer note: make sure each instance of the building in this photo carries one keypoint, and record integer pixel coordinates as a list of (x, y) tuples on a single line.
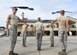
[(46, 24)]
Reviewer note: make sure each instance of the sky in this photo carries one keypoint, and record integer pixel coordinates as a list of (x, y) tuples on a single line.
[(42, 8)]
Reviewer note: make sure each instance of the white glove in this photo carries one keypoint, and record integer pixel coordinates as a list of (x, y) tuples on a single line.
[(9, 26), (70, 33)]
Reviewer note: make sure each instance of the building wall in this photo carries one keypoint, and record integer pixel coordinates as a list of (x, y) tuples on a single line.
[(46, 27)]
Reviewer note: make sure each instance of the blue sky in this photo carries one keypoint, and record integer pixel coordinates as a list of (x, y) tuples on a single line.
[(43, 8)]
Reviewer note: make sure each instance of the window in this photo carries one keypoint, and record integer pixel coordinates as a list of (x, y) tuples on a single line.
[(31, 25), (48, 26)]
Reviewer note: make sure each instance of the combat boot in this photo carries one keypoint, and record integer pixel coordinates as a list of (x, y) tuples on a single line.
[(63, 52), (12, 53), (39, 48), (24, 45), (52, 45)]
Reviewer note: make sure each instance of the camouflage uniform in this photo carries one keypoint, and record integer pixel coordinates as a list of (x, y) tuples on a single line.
[(39, 34), (52, 36), (62, 33), (24, 34), (13, 30)]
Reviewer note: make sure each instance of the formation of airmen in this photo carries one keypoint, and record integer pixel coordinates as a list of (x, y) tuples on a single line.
[(62, 22)]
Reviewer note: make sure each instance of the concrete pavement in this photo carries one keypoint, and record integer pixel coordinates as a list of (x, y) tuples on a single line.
[(31, 48)]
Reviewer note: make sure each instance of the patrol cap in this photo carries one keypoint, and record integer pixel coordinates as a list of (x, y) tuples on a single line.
[(62, 11), (14, 8), (39, 18)]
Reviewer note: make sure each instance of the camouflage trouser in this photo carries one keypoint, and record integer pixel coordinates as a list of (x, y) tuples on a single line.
[(39, 38), (51, 37), (23, 34), (7, 32), (13, 36), (63, 38)]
